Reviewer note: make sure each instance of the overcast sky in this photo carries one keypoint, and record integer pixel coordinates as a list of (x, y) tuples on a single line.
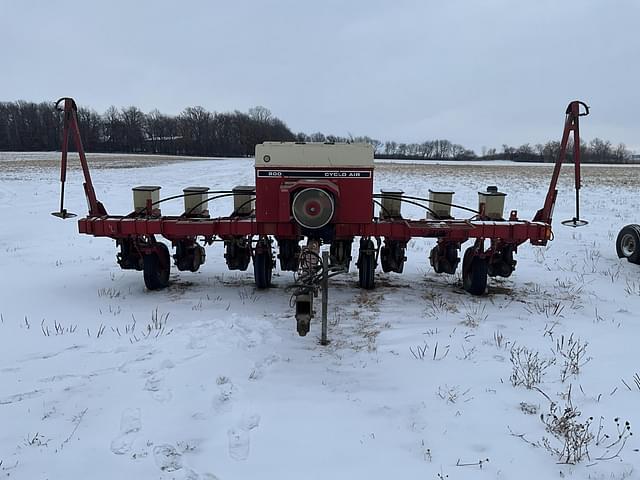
[(480, 73)]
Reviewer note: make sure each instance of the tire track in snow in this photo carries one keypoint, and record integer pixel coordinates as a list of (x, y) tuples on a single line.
[(19, 397)]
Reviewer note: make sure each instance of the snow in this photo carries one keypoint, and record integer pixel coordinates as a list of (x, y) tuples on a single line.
[(208, 379)]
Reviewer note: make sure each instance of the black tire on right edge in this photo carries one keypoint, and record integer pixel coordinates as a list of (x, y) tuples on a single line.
[(474, 273), (628, 243)]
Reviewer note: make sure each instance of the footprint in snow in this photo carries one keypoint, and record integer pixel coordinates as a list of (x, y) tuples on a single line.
[(222, 400), (193, 475), (239, 438), (196, 343), (168, 459), (238, 443), (249, 422), (130, 425), (154, 386), (167, 364), (259, 368)]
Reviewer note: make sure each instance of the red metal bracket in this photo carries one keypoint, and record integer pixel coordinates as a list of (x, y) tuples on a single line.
[(70, 125), (571, 124)]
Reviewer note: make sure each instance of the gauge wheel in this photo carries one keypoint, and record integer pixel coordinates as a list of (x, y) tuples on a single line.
[(262, 269), (156, 268), (474, 272), (367, 266)]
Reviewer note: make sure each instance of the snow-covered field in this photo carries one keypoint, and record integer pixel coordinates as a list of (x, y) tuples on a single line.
[(208, 379)]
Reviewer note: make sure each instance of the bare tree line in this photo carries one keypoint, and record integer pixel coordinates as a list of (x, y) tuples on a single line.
[(29, 126), (595, 151)]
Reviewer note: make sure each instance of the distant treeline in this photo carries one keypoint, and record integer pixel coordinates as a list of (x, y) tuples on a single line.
[(595, 151), (28, 126)]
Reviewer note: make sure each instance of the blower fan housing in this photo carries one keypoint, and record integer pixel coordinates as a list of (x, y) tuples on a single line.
[(313, 208)]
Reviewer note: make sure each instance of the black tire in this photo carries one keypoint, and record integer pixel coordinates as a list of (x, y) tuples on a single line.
[(262, 269), (433, 259), (628, 243), (367, 266), (474, 273), (452, 259), (502, 263), (385, 259), (289, 255), (448, 264), (237, 256), (366, 272), (340, 253), (156, 268)]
